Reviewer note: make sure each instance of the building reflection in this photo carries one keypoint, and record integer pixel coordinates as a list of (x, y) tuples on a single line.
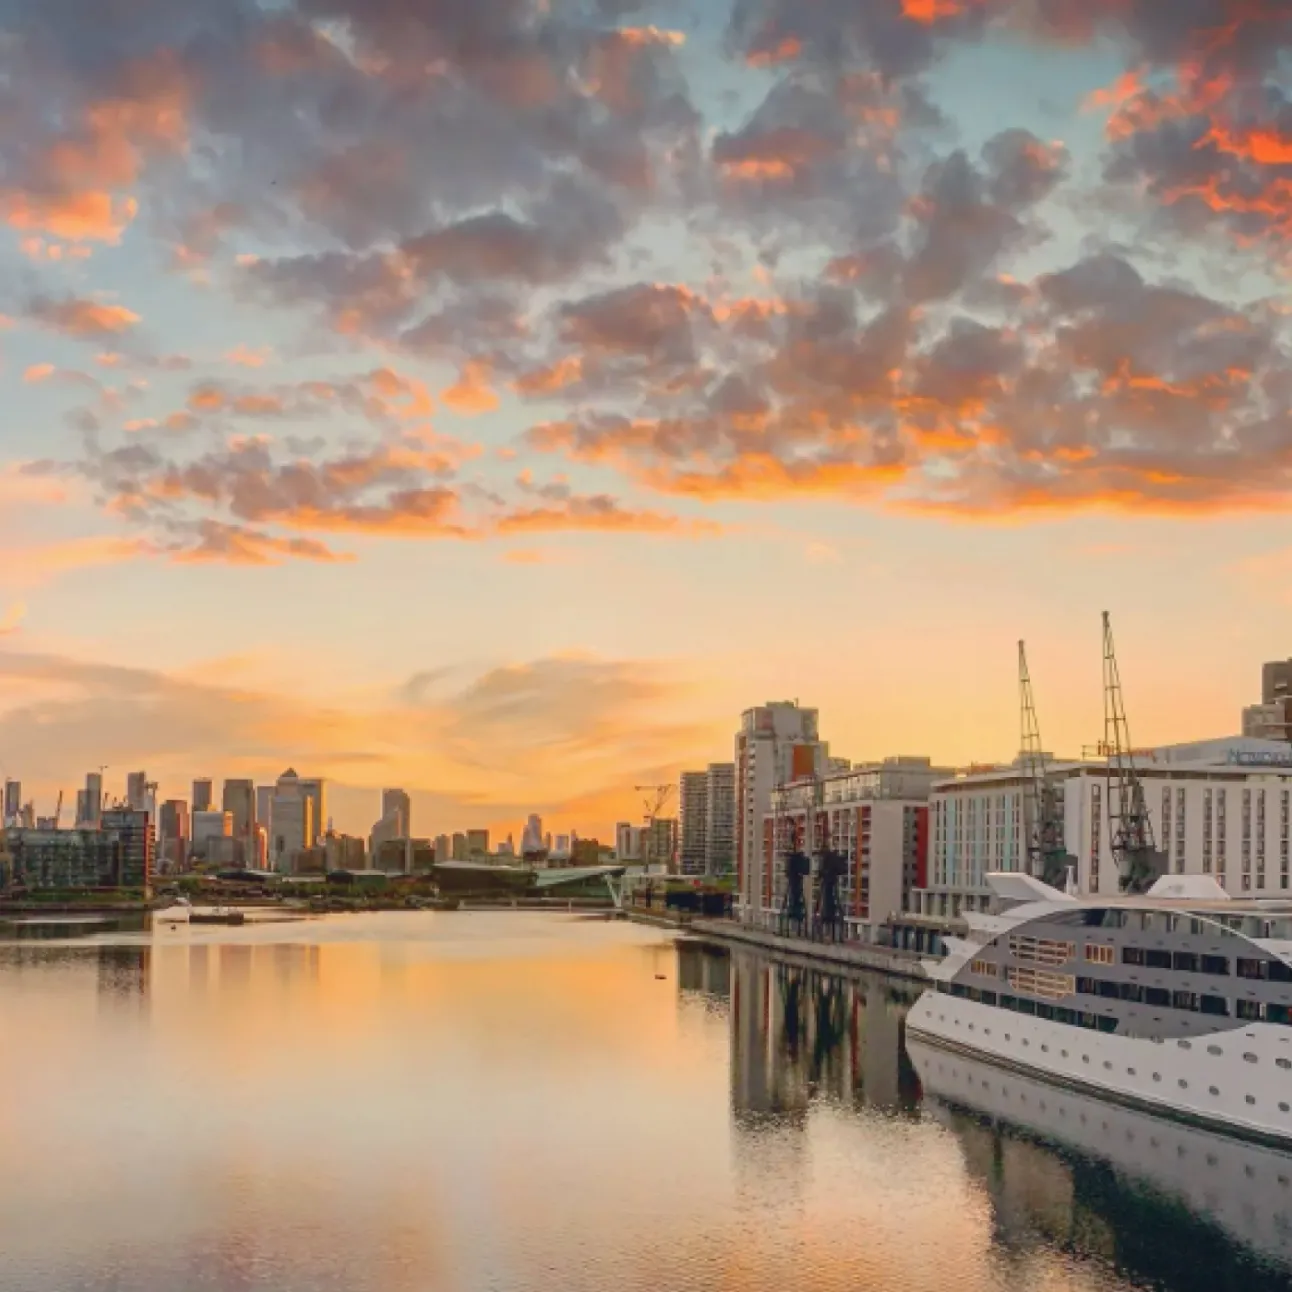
[(1165, 1204), (798, 1035), (123, 972)]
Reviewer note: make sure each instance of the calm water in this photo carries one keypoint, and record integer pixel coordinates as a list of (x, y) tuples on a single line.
[(463, 1102)]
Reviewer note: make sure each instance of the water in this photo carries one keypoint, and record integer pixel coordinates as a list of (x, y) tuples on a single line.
[(516, 1102)]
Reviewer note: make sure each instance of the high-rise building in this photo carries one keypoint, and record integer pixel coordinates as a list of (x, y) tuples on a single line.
[(135, 833), (175, 832), (778, 743), (315, 789), (93, 800), (443, 848), (628, 842), (208, 826), (291, 812), (239, 801), (82, 810), (659, 842), (477, 843), (693, 808), (137, 791), (264, 806), (458, 846), (1276, 681), (720, 819), (203, 795), (387, 831), (12, 802), (531, 837), (398, 803)]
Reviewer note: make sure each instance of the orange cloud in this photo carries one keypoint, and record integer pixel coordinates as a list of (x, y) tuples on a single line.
[(471, 393), (12, 619), (785, 50), (39, 372), (567, 371), (246, 357), (927, 12), (29, 566), (75, 217), (83, 319)]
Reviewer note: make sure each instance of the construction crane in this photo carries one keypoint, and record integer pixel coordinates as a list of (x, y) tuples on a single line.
[(659, 797), (1130, 830), (1046, 858)]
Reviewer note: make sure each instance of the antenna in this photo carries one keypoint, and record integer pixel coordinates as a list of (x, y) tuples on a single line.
[(1130, 829)]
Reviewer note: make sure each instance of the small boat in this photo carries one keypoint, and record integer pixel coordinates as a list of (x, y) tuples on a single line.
[(217, 916), (179, 911)]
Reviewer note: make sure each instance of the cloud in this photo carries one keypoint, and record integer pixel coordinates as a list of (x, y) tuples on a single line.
[(81, 319), (471, 393), (12, 618), (468, 743)]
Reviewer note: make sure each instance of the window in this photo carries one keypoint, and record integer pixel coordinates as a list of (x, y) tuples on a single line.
[(1041, 951), (1253, 968), (1184, 1000), (1098, 954), (1051, 986), (1217, 1005), (1218, 965), (1185, 962), (987, 968), (1249, 1009), (1132, 955), (1158, 996), (1157, 959), (1279, 972)]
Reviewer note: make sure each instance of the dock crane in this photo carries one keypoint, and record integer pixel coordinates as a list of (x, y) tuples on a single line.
[(659, 797), (1130, 829), (1047, 860)]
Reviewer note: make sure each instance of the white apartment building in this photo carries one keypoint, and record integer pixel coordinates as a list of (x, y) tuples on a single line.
[(720, 819), (778, 743), (876, 815), (1218, 808)]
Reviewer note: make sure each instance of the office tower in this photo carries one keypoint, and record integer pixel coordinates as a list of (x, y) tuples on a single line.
[(239, 801), (398, 804), (477, 843), (207, 826), (264, 807), (315, 789), (82, 810), (531, 837), (93, 799), (720, 819), (693, 804), (291, 812), (174, 831), (459, 846), (443, 846), (388, 830), (12, 802), (137, 791), (203, 795)]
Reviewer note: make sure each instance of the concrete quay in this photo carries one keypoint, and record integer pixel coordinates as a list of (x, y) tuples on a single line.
[(845, 955)]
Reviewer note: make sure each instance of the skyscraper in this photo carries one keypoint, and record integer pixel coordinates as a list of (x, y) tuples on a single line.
[(264, 807), (315, 789), (174, 831), (720, 819), (94, 799), (203, 795), (395, 803), (693, 801), (239, 801), (293, 825), (137, 791), (531, 837), (12, 802), (477, 843)]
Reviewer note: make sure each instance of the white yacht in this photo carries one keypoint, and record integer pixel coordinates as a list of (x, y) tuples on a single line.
[(1179, 1001)]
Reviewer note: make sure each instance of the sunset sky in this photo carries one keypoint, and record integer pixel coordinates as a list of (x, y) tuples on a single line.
[(494, 397)]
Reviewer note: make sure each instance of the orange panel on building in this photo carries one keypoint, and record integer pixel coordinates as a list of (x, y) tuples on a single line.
[(802, 761)]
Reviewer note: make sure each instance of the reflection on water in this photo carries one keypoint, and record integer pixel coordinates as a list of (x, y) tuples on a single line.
[(518, 1103)]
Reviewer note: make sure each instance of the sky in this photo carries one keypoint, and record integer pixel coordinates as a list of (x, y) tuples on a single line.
[(494, 398)]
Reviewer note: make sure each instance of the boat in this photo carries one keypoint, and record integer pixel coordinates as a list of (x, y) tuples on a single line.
[(1178, 1002), (178, 910), (218, 916)]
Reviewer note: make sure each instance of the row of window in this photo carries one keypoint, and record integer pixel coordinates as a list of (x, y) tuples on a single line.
[(1049, 986), (1041, 951)]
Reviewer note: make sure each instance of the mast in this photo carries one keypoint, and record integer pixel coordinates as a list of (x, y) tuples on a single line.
[(1130, 830)]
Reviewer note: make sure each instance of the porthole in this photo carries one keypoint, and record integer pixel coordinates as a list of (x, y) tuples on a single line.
[(1045, 1049), (1249, 1058), (1184, 1085), (1085, 1058), (1064, 1053), (1130, 1072), (1185, 1045), (1214, 1049), (1157, 1076), (1284, 1063), (986, 1031), (1108, 1065), (1026, 1041), (1008, 1037), (1251, 1099), (1284, 1108), (971, 1027), (1211, 1090)]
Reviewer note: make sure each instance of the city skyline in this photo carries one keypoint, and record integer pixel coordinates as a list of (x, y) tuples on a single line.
[(365, 421)]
